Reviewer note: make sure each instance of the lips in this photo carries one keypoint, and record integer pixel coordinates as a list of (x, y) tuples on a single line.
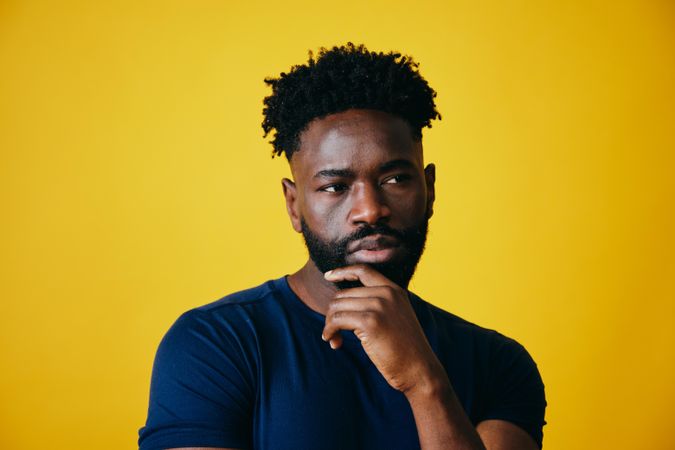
[(373, 243), (373, 249)]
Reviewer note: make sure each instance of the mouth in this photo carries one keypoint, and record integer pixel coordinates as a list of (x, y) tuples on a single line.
[(373, 249)]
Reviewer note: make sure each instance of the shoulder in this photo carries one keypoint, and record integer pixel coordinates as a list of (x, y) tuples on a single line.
[(222, 334), (494, 351), (243, 298), (458, 327), (228, 322), (239, 306), (205, 375)]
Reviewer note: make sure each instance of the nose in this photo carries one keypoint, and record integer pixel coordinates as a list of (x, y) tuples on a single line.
[(368, 206)]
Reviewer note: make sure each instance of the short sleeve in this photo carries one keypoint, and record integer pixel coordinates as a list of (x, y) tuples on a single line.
[(516, 390), (202, 388)]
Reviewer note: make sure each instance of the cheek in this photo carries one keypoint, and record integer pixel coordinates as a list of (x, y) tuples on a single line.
[(409, 207), (323, 216)]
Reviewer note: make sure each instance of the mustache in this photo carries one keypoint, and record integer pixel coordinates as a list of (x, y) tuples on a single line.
[(368, 230)]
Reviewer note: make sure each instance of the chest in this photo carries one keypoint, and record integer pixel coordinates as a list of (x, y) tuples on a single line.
[(311, 396)]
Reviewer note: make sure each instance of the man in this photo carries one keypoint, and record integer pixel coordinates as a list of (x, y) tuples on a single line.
[(340, 355)]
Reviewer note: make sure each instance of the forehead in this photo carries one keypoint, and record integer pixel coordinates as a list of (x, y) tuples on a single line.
[(355, 139)]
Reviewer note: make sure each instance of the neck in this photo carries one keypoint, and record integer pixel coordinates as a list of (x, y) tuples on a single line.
[(309, 284)]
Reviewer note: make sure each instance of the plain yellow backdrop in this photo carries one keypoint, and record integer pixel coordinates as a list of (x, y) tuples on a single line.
[(136, 184)]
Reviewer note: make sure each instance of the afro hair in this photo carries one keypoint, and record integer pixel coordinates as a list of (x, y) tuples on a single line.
[(343, 78)]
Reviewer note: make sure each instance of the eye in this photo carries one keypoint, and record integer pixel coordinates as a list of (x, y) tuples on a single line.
[(334, 188), (397, 179)]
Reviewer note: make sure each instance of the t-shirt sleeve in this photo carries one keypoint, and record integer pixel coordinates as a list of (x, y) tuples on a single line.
[(202, 388), (516, 390)]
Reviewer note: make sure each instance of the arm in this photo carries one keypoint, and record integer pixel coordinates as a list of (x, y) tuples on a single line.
[(439, 417), (201, 390), (503, 435), (383, 319), (442, 423)]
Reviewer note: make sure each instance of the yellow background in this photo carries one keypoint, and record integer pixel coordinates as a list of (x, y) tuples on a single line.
[(136, 184)]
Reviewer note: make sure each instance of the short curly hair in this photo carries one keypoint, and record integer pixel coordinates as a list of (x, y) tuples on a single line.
[(343, 78)]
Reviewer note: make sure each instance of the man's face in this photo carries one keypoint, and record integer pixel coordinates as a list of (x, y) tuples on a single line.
[(361, 193)]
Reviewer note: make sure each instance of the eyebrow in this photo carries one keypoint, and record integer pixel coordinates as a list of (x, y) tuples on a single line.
[(348, 173), (334, 173), (396, 164)]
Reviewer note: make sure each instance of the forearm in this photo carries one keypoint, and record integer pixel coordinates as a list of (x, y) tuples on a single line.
[(439, 416)]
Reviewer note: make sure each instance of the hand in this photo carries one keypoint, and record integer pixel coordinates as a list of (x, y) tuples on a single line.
[(381, 316)]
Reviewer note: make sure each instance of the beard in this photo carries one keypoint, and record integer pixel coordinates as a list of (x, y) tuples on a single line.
[(329, 255)]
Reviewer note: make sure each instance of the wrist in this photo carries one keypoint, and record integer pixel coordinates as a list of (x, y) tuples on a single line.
[(431, 384)]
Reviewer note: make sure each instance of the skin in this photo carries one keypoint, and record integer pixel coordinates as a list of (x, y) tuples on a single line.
[(371, 190)]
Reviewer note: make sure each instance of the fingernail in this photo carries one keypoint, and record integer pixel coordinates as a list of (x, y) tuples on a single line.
[(332, 345), (323, 337), (327, 274)]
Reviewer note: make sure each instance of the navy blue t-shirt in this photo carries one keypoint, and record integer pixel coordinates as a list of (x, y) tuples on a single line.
[(250, 371)]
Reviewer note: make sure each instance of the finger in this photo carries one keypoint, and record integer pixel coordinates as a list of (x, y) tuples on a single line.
[(346, 320), (354, 304), (359, 272), (349, 304), (335, 342), (381, 292)]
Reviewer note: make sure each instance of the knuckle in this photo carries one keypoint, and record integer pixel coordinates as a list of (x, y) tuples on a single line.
[(332, 307), (370, 319), (378, 305), (389, 290)]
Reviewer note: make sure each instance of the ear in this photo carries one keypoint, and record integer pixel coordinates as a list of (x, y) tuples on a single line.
[(292, 206), (430, 178)]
